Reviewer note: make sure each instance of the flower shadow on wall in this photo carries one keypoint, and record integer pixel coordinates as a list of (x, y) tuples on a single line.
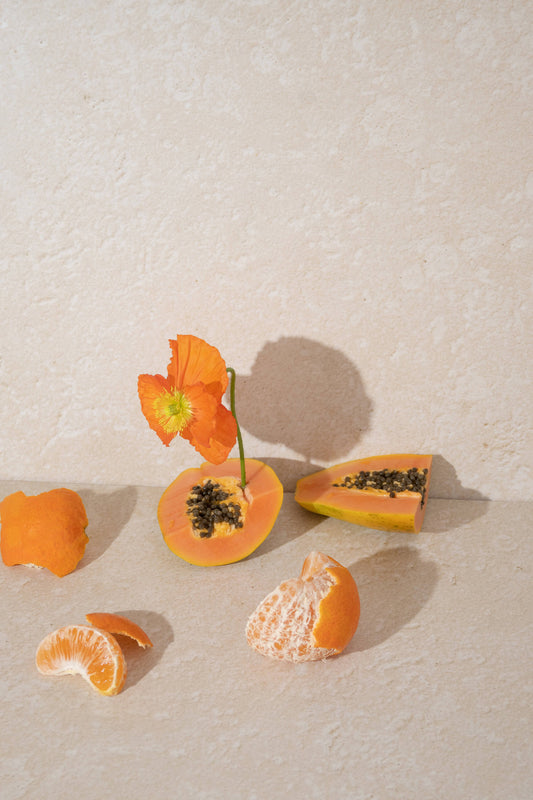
[(313, 402)]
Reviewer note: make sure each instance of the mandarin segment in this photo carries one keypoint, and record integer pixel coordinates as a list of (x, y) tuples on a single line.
[(307, 618), (115, 623), (44, 530), (81, 650)]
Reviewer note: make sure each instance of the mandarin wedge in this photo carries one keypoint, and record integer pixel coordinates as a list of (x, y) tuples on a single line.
[(114, 623), (307, 618), (81, 650)]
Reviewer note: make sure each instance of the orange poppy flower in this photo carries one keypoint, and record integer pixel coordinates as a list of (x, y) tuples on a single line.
[(188, 401)]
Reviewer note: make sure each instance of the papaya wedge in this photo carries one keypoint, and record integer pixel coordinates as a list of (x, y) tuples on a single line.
[(387, 492)]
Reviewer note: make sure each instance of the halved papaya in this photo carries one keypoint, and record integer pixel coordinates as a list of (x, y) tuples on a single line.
[(207, 519), (387, 492)]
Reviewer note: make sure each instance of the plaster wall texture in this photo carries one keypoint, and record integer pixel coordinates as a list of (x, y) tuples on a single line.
[(335, 194)]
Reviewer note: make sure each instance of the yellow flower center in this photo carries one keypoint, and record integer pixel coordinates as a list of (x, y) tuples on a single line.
[(173, 411)]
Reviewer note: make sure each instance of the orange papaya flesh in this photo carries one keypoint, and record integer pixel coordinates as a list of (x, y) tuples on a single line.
[(207, 519), (388, 492)]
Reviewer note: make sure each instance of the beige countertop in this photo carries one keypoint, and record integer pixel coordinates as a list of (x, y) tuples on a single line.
[(430, 700)]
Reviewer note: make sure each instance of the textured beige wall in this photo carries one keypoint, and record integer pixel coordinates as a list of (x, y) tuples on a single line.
[(335, 194)]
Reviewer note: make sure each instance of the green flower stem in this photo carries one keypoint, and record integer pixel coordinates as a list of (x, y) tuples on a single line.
[(231, 372)]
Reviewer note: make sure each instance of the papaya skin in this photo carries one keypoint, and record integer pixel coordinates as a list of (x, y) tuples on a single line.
[(263, 494), (403, 513)]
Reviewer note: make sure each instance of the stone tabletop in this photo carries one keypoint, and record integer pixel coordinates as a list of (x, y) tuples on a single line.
[(431, 699)]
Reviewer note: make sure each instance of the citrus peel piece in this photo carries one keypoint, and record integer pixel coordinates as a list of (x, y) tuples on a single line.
[(44, 530), (116, 624)]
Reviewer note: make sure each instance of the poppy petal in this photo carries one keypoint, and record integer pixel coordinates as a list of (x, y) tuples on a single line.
[(204, 406), (150, 389), (222, 436), (194, 361)]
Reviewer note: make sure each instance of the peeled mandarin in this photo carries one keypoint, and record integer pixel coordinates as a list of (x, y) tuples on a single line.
[(307, 618)]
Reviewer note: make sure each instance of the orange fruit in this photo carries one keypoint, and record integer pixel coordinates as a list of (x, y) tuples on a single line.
[(307, 618), (82, 650), (44, 530), (114, 623)]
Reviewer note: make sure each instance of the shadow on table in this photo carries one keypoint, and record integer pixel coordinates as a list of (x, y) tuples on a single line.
[(138, 659), (108, 514), (290, 470), (292, 522), (394, 585), (465, 504)]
